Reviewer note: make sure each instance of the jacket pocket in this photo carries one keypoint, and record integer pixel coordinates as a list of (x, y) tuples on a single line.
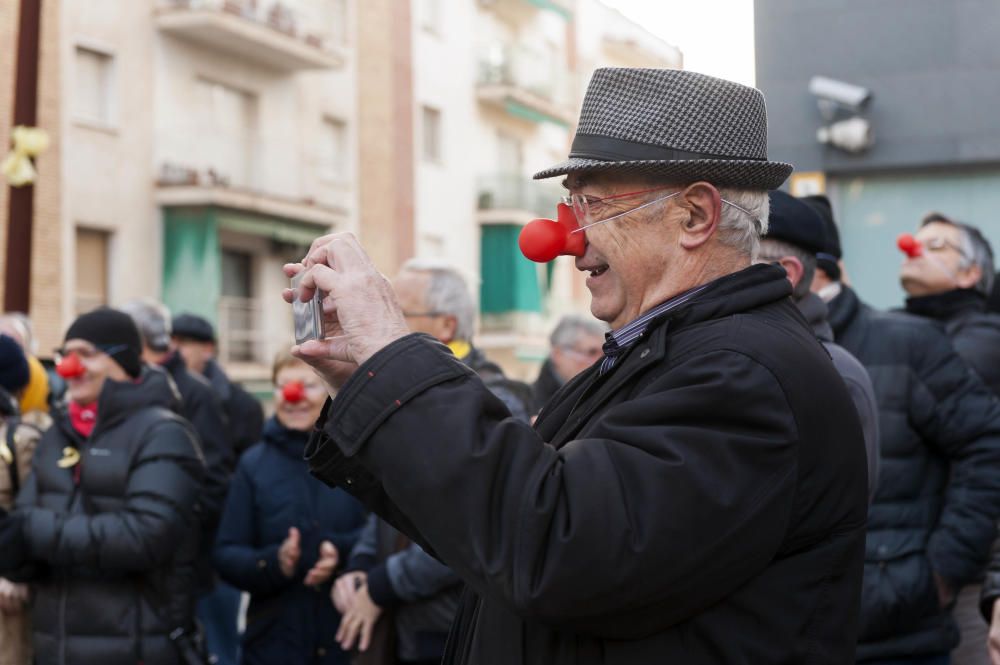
[(898, 589)]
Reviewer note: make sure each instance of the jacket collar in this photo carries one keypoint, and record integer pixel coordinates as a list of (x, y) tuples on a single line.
[(947, 305), (290, 442), (747, 289), (843, 310), (815, 312)]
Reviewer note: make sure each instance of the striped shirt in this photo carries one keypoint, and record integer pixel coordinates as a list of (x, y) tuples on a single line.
[(621, 340)]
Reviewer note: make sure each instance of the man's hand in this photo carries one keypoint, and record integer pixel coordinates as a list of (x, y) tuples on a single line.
[(346, 588), (13, 597), (325, 565), (994, 641), (359, 622), (290, 552), (360, 307)]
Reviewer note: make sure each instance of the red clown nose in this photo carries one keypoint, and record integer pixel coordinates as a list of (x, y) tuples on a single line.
[(909, 245), (293, 392), (542, 240), (70, 367)]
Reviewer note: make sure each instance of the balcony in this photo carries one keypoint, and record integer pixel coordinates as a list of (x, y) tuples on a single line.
[(271, 38), (515, 199), (516, 11), (522, 84)]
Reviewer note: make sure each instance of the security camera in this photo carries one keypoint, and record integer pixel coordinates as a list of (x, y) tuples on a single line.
[(848, 95), (854, 135)]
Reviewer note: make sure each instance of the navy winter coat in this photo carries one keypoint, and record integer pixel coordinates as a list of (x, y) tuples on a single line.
[(272, 490)]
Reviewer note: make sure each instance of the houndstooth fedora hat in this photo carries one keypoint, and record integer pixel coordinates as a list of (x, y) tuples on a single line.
[(672, 123)]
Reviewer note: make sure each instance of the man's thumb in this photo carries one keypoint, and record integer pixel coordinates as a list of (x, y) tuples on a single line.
[(293, 535), (326, 549)]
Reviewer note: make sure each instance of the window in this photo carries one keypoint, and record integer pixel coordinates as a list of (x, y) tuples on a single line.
[(431, 123), (510, 283), (334, 155), (228, 128), (91, 269), (93, 78), (239, 311)]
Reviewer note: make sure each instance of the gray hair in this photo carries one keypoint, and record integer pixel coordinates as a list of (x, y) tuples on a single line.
[(447, 293), (20, 322), (975, 247), (772, 249), (152, 318), (572, 327), (743, 222)]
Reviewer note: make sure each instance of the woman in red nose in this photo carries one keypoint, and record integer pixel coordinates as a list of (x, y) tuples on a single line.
[(284, 534), (108, 512)]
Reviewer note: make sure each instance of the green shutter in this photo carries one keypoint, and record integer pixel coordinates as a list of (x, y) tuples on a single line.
[(192, 273), (510, 281)]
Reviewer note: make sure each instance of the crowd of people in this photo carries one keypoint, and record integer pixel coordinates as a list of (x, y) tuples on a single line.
[(829, 497)]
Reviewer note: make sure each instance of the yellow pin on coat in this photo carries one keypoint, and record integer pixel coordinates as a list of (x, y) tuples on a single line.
[(70, 458)]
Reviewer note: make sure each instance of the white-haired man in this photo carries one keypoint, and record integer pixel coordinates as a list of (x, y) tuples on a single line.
[(692, 498)]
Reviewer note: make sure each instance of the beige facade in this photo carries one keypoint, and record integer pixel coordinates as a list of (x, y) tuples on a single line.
[(199, 144)]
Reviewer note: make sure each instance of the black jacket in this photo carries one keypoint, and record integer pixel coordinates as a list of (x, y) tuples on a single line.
[(938, 493), (545, 386), (287, 622), (700, 503), (855, 377), (118, 544), (201, 407), (974, 332), (243, 411)]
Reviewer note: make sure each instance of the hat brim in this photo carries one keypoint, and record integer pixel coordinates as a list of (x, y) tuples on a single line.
[(742, 174)]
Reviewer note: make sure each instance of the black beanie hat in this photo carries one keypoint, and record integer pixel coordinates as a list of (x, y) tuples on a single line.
[(194, 327), (827, 258), (14, 373), (112, 332), (794, 222)]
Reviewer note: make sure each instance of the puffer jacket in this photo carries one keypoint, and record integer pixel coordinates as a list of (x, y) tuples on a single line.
[(938, 492), (974, 332), (287, 622), (115, 534)]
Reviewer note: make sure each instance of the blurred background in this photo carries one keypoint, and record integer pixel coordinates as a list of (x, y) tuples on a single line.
[(196, 145)]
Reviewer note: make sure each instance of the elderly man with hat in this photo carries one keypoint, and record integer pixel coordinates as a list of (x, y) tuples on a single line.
[(691, 498), (795, 236)]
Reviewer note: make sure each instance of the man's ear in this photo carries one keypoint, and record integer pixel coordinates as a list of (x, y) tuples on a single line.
[(794, 268), (704, 206), (968, 278), (449, 324)]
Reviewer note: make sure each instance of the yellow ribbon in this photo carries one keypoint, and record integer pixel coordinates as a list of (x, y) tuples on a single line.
[(70, 458), (17, 166), (5, 453)]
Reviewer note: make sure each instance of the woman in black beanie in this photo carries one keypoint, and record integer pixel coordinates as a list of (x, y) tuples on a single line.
[(108, 513)]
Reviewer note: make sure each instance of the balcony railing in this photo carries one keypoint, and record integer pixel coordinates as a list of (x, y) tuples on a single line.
[(271, 35), (522, 83), (519, 194), (241, 336)]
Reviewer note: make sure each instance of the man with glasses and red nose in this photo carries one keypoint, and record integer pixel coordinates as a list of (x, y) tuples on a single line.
[(108, 512), (948, 276), (699, 494)]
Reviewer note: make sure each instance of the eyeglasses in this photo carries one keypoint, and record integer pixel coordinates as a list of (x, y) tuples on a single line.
[(940, 244), (87, 352), (584, 207)]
